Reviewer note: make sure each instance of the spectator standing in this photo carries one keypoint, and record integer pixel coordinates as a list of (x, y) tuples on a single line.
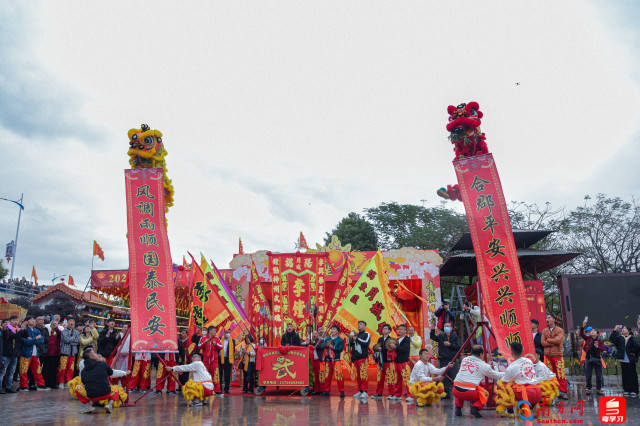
[(226, 360), (593, 348), (29, 354), (445, 316), (448, 346), (43, 346), (69, 340), (108, 340), (9, 354), (627, 352), (51, 359), (537, 338), (87, 338), (416, 345), (551, 340)]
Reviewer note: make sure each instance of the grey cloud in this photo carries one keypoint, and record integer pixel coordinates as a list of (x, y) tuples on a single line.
[(32, 102)]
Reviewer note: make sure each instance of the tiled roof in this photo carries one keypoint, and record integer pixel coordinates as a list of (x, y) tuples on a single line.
[(76, 295)]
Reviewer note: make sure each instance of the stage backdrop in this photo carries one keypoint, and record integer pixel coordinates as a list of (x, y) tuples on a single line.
[(152, 298), (503, 293)]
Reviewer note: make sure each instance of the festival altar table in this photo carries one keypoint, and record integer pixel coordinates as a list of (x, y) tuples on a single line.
[(283, 366)]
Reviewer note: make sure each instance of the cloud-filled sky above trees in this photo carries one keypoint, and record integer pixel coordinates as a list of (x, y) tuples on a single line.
[(285, 116)]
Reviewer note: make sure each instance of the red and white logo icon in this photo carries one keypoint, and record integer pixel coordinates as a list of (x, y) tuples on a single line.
[(612, 409)]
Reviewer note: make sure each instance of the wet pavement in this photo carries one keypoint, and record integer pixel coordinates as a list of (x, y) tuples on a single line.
[(57, 407)]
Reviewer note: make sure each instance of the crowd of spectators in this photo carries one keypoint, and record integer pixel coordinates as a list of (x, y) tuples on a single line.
[(20, 286), (43, 352)]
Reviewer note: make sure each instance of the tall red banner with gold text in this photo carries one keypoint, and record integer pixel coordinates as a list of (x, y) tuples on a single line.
[(298, 283), (504, 298), (152, 297)]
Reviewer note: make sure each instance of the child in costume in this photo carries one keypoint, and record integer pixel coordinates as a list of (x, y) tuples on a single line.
[(197, 390)]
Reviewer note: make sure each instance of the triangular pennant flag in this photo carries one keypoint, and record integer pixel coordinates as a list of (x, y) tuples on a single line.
[(97, 250), (71, 282), (368, 301), (302, 242)]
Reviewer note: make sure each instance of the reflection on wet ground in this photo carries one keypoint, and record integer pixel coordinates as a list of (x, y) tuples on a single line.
[(57, 407)]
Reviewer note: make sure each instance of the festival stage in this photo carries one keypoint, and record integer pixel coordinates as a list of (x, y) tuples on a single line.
[(56, 407)]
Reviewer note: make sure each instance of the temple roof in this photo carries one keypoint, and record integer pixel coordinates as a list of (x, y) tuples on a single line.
[(524, 238), (76, 295), (531, 261)]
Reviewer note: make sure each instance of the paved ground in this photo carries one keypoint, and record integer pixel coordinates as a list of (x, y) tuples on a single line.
[(57, 407)]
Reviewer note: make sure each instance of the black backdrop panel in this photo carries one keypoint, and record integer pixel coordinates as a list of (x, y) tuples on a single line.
[(607, 300)]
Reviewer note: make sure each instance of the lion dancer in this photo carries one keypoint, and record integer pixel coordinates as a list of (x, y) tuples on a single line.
[(386, 369), (200, 388), (163, 375), (522, 374), (466, 385), (210, 347), (140, 373), (360, 358), (331, 363), (316, 352), (551, 340), (402, 366), (95, 379)]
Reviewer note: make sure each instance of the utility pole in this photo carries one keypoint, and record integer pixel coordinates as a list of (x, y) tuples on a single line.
[(15, 246)]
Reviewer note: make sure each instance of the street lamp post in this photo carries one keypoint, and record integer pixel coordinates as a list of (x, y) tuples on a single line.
[(15, 246)]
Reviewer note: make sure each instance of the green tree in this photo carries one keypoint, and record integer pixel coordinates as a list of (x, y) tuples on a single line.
[(3, 271), (355, 230), (606, 230), (408, 225), (22, 301)]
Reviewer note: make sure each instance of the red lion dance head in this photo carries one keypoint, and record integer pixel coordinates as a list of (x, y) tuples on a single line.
[(464, 126)]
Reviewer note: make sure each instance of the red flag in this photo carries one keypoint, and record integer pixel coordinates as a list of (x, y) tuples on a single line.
[(240, 247), (97, 250), (71, 282), (34, 275), (303, 242)]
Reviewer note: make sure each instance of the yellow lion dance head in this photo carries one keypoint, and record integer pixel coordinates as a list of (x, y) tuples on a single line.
[(146, 151)]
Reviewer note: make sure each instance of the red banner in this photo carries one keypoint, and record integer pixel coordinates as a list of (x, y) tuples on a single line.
[(298, 286), (343, 288), (108, 278), (535, 300), (502, 288), (283, 366), (151, 289), (259, 314)]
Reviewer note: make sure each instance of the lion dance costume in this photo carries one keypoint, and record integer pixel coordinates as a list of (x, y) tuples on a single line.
[(466, 137), (146, 151), (423, 387)]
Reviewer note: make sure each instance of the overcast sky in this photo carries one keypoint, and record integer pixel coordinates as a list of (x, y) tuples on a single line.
[(285, 116)]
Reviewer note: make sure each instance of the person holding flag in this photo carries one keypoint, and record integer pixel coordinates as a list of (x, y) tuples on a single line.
[(210, 347)]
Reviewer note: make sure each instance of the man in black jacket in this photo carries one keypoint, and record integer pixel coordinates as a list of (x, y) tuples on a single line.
[(95, 378), (383, 360), (359, 357), (448, 346), (403, 369), (537, 338), (108, 339), (10, 350), (290, 338)]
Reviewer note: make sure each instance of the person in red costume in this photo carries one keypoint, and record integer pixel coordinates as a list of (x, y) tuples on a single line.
[(210, 346)]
